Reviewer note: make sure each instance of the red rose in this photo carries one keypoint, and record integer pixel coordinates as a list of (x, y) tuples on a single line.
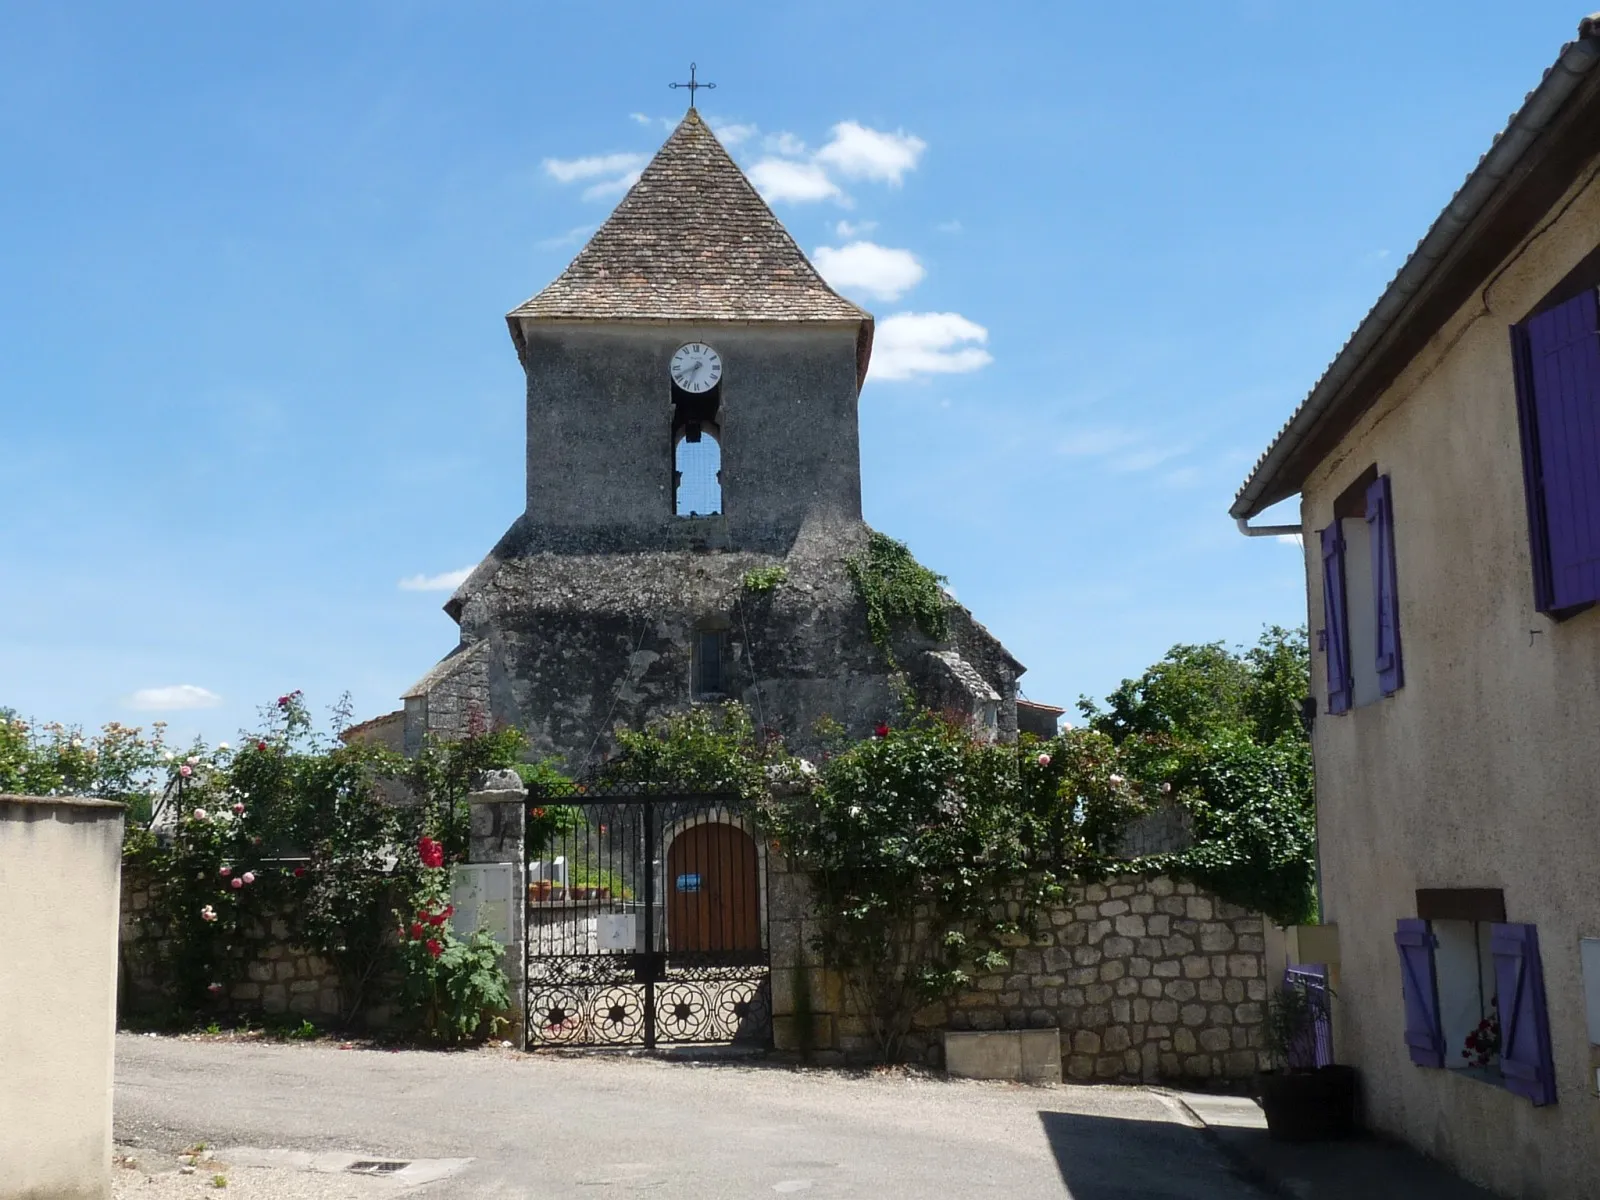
[(449, 910), (261, 746), (299, 871), (431, 852), (881, 731), (537, 813), (436, 919), (416, 930), (434, 948)]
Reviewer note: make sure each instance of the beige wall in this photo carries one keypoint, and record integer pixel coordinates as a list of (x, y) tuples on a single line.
[(1484, 769), (60, 861)]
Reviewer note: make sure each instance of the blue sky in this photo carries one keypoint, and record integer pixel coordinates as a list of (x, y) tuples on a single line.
[(254, 371)]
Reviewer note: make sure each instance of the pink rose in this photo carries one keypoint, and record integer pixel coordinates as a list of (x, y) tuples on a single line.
[(1166, 789), (208, 913), (224, 871), (1116, 781), (186, 770), (249, 876), (237, 884), (238, 810), (1044, 760), (215, 989), (199, 814)]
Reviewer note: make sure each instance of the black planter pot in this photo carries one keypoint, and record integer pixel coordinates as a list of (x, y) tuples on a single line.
[(1309, 1106)]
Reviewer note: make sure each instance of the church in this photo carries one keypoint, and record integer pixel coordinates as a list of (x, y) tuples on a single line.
[(693, 496)]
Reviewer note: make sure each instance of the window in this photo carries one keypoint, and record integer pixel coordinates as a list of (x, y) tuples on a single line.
[(1360, 599), (697, 474), (1458, 973), (708, 662), (1556, 354), (697, 451)]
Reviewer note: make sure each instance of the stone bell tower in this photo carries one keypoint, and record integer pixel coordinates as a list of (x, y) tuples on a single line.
[(691, 415)]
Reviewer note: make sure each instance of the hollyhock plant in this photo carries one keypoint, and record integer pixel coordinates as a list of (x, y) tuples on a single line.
[(434, 948), (431, 853)]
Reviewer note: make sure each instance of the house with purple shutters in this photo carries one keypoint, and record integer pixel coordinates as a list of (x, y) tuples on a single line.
[(1447, 467)]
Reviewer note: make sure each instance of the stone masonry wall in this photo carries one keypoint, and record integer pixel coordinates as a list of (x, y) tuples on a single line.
[(1147, 979), (280, 978)]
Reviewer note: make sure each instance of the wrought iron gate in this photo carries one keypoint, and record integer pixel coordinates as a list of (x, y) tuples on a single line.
[(646, 922)]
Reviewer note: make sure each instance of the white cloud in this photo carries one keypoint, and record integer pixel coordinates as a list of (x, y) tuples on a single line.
[(667, 123), (1126, 451), (731, 133), (778, 179), (950, 226), (611, 187), (447, 582), (1294, 539), (173, 698), (868, 267), (910, 344), (847, 229), (785, 144), (861, 153), (614, 173), (570, 238), (570, 170)]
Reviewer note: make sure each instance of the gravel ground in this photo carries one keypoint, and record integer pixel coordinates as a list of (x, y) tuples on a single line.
[(600, 1126)]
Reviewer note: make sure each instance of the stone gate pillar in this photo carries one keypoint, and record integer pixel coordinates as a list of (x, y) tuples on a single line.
[(490, 888)]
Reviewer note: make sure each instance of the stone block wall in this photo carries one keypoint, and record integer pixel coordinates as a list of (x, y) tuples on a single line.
[(279, 979), (1148, 979)]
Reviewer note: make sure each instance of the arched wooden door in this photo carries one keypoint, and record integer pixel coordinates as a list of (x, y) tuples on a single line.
[(713, 889)]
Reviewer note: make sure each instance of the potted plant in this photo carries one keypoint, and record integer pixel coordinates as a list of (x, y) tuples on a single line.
[(541, 891), (1302, 1101)]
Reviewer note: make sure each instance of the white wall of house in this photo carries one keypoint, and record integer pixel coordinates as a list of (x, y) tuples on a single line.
[(1483, 770), (60, 868)]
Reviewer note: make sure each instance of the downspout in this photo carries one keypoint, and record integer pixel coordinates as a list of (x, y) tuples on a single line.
[(1265, 530)]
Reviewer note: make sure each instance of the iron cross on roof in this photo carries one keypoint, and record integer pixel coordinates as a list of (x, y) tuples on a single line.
[(692, 85)]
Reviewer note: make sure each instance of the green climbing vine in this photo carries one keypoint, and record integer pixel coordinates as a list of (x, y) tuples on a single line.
[(895, 587), (765, 579)]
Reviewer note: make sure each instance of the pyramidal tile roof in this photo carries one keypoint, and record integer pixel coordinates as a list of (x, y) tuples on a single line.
[(692, 240)]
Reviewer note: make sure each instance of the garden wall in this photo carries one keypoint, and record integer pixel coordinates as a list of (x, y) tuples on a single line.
[(1148, 979), (279, 978)]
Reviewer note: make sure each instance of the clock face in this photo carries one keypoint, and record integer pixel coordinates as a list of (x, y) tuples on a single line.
[(696, 367)]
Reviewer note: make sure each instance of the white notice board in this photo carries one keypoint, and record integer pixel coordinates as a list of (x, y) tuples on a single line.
[(481, 893)]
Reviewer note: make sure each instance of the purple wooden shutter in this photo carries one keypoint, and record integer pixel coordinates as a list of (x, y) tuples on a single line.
[(1333, 616), (1424, 1038), (1380, 518), (1525, 1058), (1559, 386)]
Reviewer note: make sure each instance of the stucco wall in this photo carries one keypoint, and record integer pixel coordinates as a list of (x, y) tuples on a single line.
[(60, 862), (1482, 770)]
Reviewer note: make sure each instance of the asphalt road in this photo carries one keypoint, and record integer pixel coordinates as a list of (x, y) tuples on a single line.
[(556, 1127)]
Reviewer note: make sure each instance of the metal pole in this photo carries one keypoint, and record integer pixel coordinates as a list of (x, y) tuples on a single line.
[(649, 924)]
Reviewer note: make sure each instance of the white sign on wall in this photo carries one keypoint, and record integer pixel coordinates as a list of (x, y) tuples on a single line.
[(482, 894), (617, 932)]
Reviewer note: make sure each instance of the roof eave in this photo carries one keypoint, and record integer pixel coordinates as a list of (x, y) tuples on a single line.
[(1350, 386)]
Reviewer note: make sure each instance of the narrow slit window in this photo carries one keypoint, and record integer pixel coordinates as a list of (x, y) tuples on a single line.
[(708, 663)]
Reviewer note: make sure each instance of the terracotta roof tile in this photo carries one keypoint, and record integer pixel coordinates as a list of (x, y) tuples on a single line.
[(692, 240)]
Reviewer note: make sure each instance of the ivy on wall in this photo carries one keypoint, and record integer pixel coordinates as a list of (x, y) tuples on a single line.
[(897, 589)]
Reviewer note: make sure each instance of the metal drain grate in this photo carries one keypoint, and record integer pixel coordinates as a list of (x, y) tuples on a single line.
[(375, 1167)]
